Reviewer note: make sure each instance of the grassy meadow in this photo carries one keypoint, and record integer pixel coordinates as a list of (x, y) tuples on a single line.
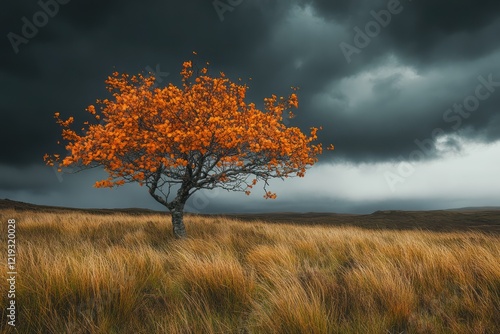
[(121, 273)]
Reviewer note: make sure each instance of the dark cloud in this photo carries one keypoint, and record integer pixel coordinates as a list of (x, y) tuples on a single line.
[(396, 90), (422, 27)]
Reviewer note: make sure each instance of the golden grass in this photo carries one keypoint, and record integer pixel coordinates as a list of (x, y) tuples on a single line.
[(89, 273)]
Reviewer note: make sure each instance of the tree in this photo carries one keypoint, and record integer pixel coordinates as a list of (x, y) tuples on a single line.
[(178, 140)]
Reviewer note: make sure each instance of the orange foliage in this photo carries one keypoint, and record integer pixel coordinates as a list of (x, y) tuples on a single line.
[(204, 132)]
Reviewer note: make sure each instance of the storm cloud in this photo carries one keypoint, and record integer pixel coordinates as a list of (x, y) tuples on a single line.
[(416, 93)]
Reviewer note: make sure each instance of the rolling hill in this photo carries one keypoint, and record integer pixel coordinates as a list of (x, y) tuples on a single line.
[(463, 219)]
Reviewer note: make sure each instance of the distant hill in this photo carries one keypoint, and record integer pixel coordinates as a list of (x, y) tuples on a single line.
[(22, 206), (437, 220), (479, 208), (484, 219)]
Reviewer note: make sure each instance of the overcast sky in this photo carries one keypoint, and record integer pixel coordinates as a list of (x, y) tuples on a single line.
[(407, 91)]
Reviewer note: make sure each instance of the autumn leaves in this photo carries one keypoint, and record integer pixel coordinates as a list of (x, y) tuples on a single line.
[(201, 131)]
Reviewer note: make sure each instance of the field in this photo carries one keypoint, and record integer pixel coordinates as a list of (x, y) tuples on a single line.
[(122, 272)]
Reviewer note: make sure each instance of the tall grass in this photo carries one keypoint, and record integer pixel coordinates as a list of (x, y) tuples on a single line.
[(88, 273)]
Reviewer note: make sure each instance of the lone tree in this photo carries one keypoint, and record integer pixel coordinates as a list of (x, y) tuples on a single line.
[(178, 140)]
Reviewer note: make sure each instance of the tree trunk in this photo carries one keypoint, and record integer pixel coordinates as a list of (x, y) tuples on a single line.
[(178, 221)]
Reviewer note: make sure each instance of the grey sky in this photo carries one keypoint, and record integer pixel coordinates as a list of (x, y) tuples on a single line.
[(408, 91)]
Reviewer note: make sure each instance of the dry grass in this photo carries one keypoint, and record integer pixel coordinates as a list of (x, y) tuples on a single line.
[(89, 273)]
